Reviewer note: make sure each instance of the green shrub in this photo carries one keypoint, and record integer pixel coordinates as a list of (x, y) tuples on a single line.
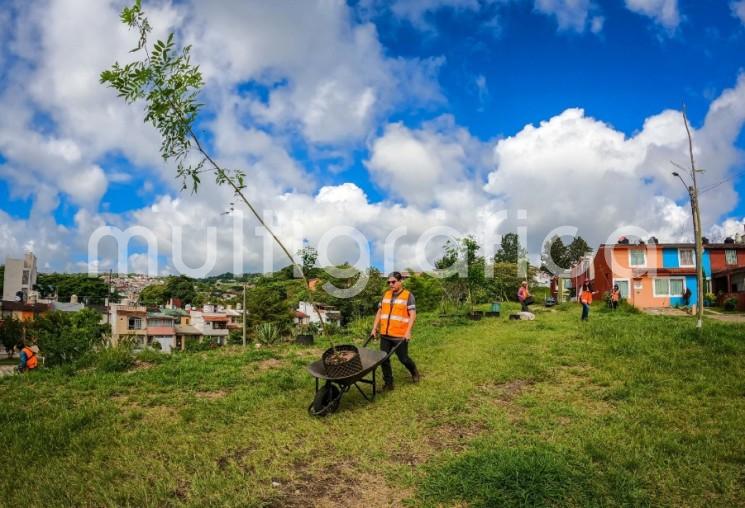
[(114, 359), (194, 346), (66, 337), (266, 333), (149, 355), (730, 304)]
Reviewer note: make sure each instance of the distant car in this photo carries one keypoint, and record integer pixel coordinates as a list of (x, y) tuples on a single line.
[(550, 301)]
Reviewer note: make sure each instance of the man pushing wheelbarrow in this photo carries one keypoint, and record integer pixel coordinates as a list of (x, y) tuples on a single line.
[(395, 320)]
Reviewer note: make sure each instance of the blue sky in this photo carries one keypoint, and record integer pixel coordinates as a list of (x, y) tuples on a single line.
[(373, 114)]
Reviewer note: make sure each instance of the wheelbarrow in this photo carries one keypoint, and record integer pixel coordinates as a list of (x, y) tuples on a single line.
[(328, 395)]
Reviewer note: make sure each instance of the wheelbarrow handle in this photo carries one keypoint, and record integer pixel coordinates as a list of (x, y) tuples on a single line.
[(393, 349), (369, 338)]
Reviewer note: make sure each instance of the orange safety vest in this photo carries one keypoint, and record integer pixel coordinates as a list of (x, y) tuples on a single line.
[(615, 296), (394, 314), (31, 360), (586, 297)]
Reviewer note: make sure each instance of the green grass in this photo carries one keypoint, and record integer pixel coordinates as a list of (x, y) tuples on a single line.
[(625, 410)]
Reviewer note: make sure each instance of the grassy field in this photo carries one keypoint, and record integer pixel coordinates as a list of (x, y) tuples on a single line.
[(626, 410)]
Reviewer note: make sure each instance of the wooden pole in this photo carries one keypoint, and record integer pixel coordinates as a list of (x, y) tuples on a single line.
[(693, 190), (244, 314)]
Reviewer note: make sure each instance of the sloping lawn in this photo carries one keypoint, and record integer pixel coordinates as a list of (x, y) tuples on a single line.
[(627, 409)]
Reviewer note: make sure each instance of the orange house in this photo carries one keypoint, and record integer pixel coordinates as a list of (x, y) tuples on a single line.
[(22, 311), (649, 275)]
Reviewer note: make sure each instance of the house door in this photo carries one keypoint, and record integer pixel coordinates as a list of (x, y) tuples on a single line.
[(623, 287)]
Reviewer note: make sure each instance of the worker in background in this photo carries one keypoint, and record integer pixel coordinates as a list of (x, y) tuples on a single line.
[(585, 298), (615, 297), (28, 359), (524, 296)]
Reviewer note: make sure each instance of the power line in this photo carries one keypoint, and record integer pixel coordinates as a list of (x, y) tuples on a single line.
[(714, 186)]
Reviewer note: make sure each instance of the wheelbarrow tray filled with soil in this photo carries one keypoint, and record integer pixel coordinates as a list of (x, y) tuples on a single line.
[(329, 394)]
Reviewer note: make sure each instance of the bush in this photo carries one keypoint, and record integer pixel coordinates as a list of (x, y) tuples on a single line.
[(66, 337), (149, 355), (114, 359), (730, 304), (267, 333), (194, 346)]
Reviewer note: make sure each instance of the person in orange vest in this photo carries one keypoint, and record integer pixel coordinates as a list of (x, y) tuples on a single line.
[(395, 320), (615, 297), (585, 298), (523, 295), (28, 359)]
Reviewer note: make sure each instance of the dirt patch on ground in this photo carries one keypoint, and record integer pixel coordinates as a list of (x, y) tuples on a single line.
[(338, 485), (508, 391), (271, 363), (237, 457), (454, 437), (666, 311), (219, 394), (181, 491)]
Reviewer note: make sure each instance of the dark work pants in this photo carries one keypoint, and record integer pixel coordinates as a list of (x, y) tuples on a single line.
[(386, 344), (585, 312)]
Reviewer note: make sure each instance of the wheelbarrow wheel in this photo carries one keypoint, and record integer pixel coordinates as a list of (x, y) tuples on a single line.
[(326, 400)]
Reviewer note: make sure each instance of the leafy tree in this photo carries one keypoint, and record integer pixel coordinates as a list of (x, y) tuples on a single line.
[(267, 304), (153, 295), (506, 281), (462, 256), (11, 332), (555, 257), (510, 250), (90, 290), (181, 287), (365, 303), (308, 256), (64, 337), (427, 289), (577, 249)]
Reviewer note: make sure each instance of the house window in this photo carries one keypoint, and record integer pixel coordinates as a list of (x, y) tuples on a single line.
[(669, 287), (730, 256), (25, 277), (637, 257), (135, 323), (686, 257)]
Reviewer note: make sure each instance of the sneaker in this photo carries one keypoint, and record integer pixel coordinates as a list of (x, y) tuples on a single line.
[(388, 387), (415, 377)]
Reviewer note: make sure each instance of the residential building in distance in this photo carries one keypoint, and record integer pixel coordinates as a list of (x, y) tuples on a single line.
[(656, 275), (161, 329), (212, 324), (128, 321), (20, 278), (728, 271), (22, 311), (329, 313)]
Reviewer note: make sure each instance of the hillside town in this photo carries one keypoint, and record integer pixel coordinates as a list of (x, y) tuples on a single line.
[(649, 276)]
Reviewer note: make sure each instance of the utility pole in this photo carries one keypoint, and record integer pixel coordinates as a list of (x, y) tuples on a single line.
[(244, 314), (696, 214)]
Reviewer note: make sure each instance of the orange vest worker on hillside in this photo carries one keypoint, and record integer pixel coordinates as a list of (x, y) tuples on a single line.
[(395, 320), (28, 360)]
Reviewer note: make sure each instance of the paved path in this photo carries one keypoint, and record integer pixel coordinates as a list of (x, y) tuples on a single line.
[(6, 370), (728, 318)]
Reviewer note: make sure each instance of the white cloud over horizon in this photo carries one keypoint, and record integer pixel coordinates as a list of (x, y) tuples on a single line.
[(331, 85)]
